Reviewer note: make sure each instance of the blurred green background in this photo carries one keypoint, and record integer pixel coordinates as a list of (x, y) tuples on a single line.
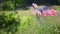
[(16, 17), (18, 4)]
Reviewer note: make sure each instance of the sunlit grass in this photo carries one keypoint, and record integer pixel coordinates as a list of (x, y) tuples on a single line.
[(51, 25), (30, 24)]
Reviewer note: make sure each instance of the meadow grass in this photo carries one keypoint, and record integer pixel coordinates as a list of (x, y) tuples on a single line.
[(31, 24), (51, 25)]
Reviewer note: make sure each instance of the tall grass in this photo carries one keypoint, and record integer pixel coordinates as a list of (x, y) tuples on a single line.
[(31, 24)]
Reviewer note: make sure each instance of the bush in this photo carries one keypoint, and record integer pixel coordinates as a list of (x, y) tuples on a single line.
[(59, 1), (8, 5), (9, 22)]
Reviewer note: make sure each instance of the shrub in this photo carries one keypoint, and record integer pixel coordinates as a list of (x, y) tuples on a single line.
[(59, 1), (8, 5), (9, 22)]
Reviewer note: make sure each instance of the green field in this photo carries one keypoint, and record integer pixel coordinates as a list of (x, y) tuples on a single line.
[(51, 25), (32, 24)]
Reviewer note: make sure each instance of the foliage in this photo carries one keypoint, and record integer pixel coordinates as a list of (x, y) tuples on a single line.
[(21, 3), (9, 22), (8, 5), (59, 1)]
